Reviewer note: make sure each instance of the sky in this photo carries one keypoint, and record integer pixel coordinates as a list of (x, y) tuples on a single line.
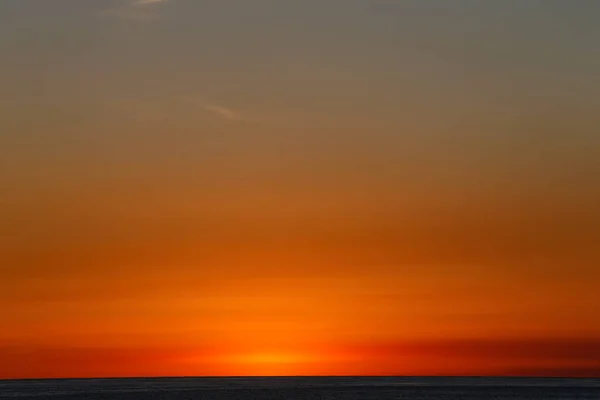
[(286, 187)]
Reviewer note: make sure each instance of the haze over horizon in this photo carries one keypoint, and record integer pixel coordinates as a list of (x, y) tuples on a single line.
[(280, 187)]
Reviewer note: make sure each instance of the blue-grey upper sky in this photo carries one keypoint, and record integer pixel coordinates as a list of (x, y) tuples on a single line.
[(398, 98), (396, 103)]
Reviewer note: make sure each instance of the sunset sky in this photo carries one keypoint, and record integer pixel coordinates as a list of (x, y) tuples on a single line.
[(299, 187)]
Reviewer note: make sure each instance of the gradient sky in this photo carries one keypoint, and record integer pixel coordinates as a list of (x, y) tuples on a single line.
[(235, 187)]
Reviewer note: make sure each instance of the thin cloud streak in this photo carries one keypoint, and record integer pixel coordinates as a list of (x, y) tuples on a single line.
[(221, 111), (224, 112)]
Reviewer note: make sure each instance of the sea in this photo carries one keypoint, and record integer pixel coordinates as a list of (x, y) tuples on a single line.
[(303, 388)]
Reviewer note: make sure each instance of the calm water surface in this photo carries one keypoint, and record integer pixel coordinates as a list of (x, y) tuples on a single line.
[(326, 388)]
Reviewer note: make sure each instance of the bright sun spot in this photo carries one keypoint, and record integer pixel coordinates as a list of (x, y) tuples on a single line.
[(270, 358), (267, 363)]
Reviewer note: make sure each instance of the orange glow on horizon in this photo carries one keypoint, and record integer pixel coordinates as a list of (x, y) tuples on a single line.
[(330, 323)]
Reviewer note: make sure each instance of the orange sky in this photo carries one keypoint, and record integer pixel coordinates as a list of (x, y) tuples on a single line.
[(282, 188)]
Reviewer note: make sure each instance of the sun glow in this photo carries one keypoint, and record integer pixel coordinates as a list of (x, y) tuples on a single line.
[(272, 358), (268, 362)]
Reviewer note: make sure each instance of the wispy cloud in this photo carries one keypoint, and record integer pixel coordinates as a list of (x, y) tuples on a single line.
[(135, 9), (154, 110), (222, 111)]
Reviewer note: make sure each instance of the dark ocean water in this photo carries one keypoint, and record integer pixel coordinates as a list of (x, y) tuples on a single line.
[(313, 388)]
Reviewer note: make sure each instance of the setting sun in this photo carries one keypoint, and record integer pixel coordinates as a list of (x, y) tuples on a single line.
[(266, 363)]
